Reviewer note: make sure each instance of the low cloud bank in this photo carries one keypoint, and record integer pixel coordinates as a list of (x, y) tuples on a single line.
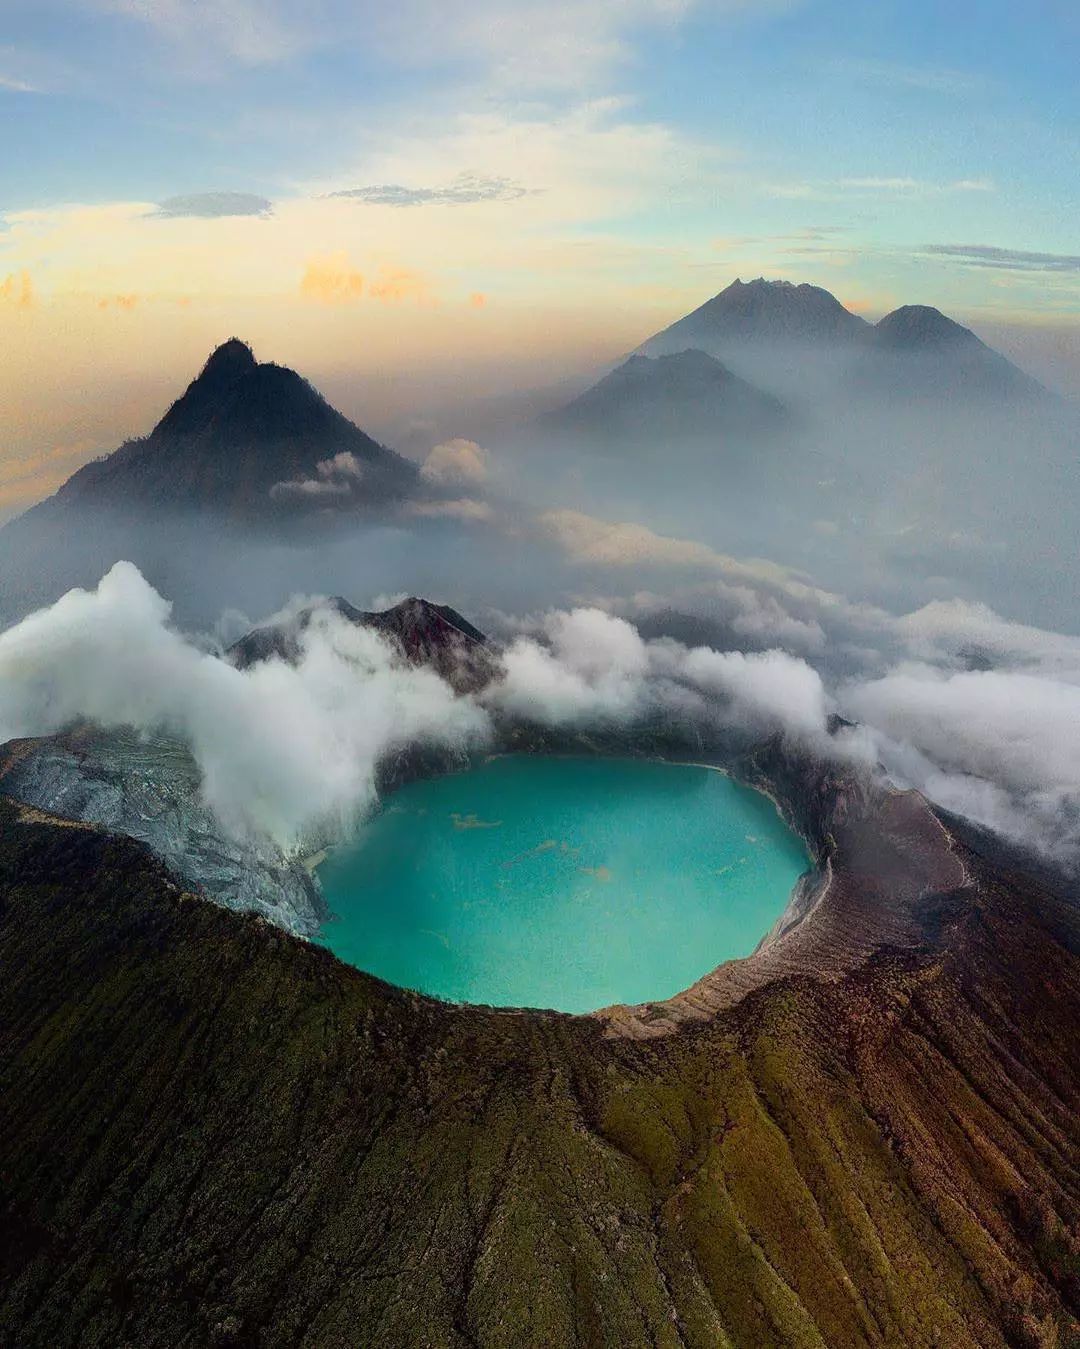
[(588, 666), (980, 714)]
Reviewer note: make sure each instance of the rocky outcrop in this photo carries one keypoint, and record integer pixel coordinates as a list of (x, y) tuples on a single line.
[(150, 791)]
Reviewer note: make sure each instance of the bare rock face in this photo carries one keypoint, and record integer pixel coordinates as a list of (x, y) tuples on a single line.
[(149, 790)]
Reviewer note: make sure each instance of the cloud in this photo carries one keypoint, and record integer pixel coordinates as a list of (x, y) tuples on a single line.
[(456, 461), (1002, 748), (14, 86), (587, 666), (212, 206), (334, 477), (248, 32), (332, 280), (930, 79), (125, 303), (17, 290), (467, 189), (1008, 259), (875, 186), (462, 508), (756, 594), (626, 544), (916, 185), (517, 45), (284, 750), (391, 285)]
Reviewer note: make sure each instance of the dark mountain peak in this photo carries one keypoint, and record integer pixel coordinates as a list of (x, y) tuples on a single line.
[(919, 352), (235, 391), (762, 311), (652, 398), (920, 325), (229, 361), (240, 432), (784, 308)]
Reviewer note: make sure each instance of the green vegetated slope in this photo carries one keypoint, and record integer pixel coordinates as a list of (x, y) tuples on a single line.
[(213, 1133)]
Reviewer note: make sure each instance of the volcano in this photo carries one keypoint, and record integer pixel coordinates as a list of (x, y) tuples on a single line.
[(773, 313), (918, 352), (239, 438), (687, 395)]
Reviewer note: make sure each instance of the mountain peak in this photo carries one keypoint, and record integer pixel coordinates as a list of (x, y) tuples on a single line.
[(920, 325), (761, 311), (917, 351), (242, 431), (674, 393), (231, 360)]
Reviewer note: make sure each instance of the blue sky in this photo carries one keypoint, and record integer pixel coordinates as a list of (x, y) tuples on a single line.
[(138, 99), (550, 179)]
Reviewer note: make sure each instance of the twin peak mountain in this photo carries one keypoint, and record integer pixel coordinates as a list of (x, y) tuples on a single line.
[(255, 440)]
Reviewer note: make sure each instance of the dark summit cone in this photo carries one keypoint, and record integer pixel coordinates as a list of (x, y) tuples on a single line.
[(246, 441)]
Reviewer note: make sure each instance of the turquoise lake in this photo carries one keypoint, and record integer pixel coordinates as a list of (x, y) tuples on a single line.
[(569, 883)]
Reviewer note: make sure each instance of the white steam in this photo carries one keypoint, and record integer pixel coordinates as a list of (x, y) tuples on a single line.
[(282, 748)]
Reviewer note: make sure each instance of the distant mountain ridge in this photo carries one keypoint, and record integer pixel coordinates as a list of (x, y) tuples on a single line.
[(239, 430), (914, 351)]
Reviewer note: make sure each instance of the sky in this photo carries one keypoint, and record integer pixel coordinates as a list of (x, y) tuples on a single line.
[(439, 200)]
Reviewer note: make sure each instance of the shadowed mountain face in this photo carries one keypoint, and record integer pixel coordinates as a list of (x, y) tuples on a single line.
[(687, 395), (249, 456), (242, 441)]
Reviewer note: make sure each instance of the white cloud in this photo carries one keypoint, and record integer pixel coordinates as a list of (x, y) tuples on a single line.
[(517, 44), (283, 749), (1002, 748), (457, 461), (587, 666), (460, 508), (337, 476)]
